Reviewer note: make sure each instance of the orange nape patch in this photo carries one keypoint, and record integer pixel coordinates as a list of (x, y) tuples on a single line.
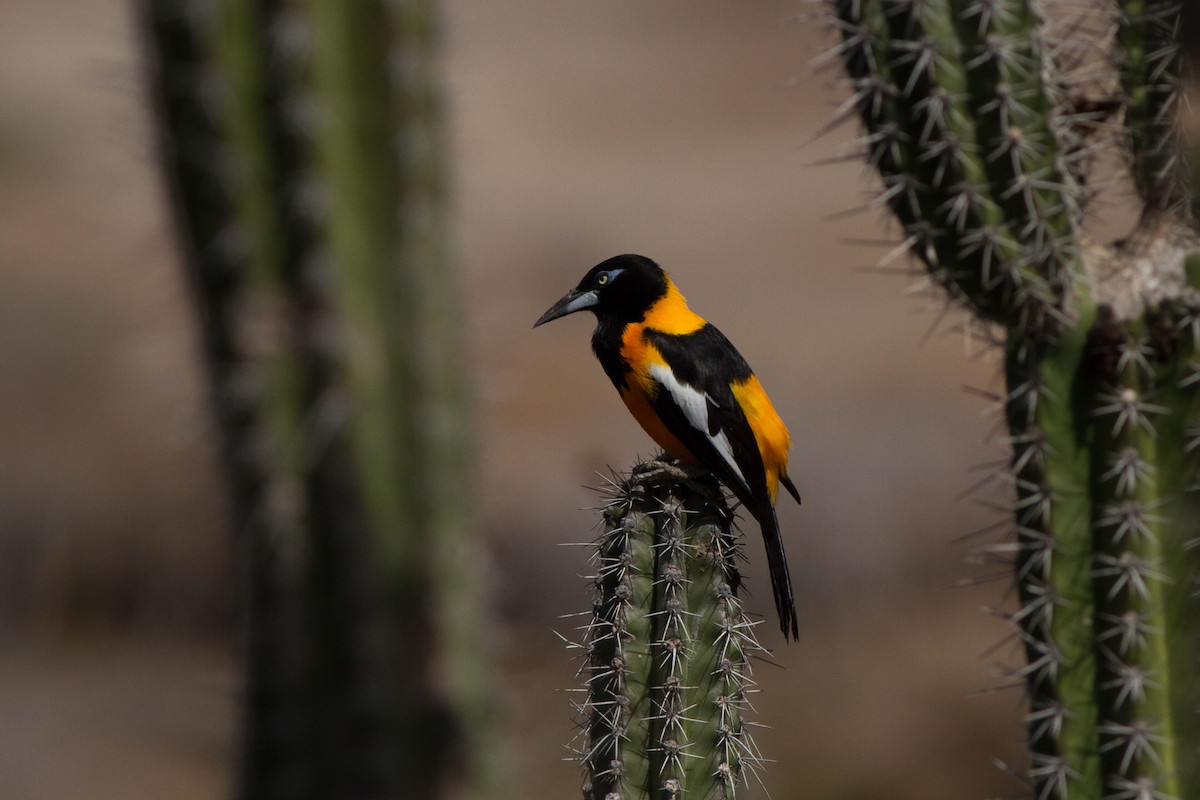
[(635, 401), (769, 431), (670, 314)]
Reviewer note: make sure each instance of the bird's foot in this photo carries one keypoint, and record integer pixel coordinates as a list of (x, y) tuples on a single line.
[(693, 476)]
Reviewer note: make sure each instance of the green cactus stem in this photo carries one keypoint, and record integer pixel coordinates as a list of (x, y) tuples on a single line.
[(983, 200), (301, 142), (667, 645), (1150, 34), (985, 120)]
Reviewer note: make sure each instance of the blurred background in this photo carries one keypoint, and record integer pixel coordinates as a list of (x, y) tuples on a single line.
[(684, 131)]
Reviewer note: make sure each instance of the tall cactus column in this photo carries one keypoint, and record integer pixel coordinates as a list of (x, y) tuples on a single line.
[(985, 121), (667, 646), (301, 141)]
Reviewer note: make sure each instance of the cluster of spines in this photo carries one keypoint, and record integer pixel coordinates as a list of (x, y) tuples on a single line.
[(1053, 556), (667, 647), (956, 103), (1106, 565), (1129, 572), (1148, 32)]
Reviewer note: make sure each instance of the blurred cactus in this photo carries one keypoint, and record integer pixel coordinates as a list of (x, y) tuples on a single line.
[(987, 121), (301, 142), (667, 645)]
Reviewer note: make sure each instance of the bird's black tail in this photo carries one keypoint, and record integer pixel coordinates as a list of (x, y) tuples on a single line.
[(781, 581)]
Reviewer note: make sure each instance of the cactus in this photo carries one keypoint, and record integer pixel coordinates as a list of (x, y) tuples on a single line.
[(667, 645), (301, 145), (985, 120)]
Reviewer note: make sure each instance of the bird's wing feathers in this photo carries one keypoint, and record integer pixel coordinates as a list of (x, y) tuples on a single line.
[(697, 405), (702, 414), (695, 401)]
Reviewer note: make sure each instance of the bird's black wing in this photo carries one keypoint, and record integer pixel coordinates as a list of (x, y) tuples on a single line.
[(695, 401)]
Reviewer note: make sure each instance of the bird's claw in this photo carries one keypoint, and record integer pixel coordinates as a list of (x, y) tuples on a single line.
[(663, 466)]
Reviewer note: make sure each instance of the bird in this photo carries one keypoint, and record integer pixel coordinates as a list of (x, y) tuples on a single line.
[(691, 391)]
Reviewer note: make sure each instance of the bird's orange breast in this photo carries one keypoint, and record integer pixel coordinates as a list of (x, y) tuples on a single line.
[(638, 405)]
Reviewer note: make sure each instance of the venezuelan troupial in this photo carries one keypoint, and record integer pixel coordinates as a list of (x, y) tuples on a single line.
[(692, 391)]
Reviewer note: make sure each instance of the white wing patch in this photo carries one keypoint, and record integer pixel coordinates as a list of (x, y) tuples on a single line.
[(694, 405)]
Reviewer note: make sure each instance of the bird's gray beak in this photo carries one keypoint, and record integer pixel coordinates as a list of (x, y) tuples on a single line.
[(573, 301)]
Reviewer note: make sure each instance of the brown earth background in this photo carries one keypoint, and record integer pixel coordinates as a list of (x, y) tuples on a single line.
[(681, 130)]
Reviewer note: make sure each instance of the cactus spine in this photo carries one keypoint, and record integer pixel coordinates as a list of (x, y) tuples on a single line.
[(301, 144), (667, 646), (984, 120)]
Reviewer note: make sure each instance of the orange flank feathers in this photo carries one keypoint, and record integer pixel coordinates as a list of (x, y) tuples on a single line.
[(769, 431), (639, 406)]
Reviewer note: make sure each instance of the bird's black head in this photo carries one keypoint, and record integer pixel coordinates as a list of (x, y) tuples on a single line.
[(621, 289)]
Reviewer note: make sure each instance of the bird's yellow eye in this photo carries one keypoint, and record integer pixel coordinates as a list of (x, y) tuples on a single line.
[(602, 278)]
